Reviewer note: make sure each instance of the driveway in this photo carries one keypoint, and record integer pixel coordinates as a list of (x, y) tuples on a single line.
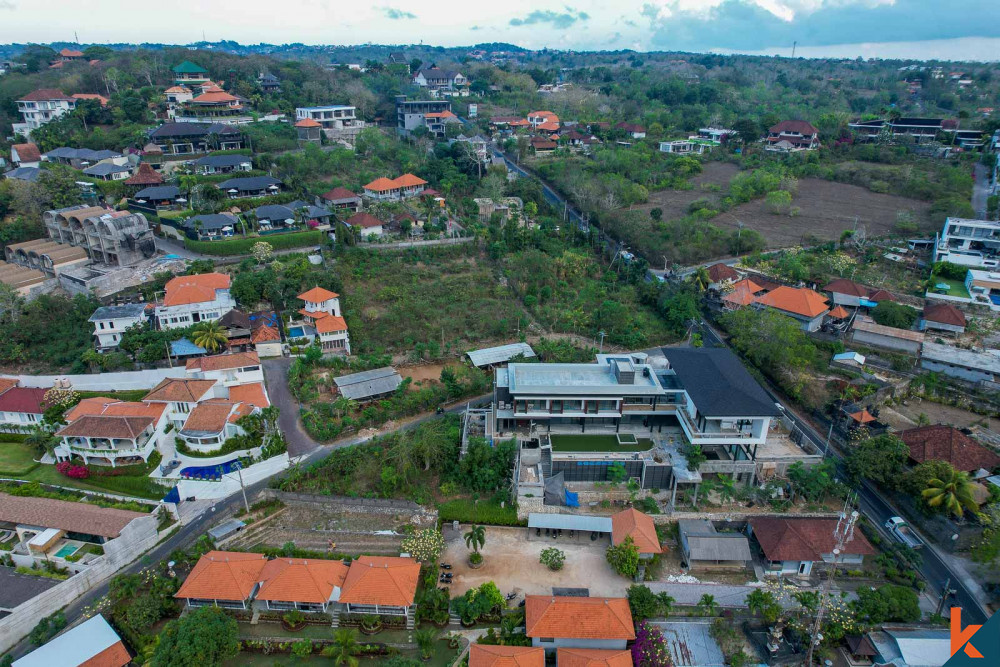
[(980, 189), (276, 376)]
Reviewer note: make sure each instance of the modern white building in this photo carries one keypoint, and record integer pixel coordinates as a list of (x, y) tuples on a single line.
[(39, 107), (322, 308), (973, 243), (331, 116), (102, 431), (230, 369), (188, 300), (110, 322)]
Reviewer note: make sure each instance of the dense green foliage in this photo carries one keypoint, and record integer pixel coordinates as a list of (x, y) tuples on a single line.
[(892, 314), (888, 603), (242, 246), (206, 636)]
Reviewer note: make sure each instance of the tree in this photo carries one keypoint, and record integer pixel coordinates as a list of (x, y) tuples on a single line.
[(206, 636), (707, 605), (888, 603), (813, 483), (700, 278), (774, 343), (763, 603), (694, 455), (475, 539), (779, 202), (881, 459), (209, 335), (892, 314), (616, 473), (262, 251), (425, 545), (953, 493), (656, 214), (425, 638), (644, 603), (624, 558), (552, 558), (344, 648)]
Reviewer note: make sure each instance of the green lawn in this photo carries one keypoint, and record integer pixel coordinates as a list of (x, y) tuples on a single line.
[(596, 443), (955, 287), (16, 459)]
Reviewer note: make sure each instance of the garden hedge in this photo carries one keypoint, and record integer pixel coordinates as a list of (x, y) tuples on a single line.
[(242, 246)]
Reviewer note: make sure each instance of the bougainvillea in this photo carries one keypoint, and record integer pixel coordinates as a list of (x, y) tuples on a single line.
[(73, 470), (650, 648)]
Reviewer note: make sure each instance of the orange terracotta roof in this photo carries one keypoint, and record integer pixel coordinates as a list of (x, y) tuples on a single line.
[(797, 300), (179, 390), (178, 89), (519, 123), (409, 181), (389, 581), (223, 575), (633, 523), (8, 383), (547, 115), (862, 417), (382, 184), (115, 655), (91, 96), (209, 416), (221, 362), (264, 334), (185, 290), (440, 114), (301, 580), (485, 655), (547, 126), (330, 323), (242, 410), (308, 122), (314, 315), (252, 394), (317, 295), (743, 294), (839, 313), (111, 407), (593, 657), (71, 53), (214, 97), (578, 618)]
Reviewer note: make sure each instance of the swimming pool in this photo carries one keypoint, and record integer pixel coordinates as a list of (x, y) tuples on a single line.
[(67, 550), (209, 472), (296, 332)]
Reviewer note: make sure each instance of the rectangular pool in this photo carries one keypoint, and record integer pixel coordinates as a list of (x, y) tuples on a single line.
[(67, 550), (295, 332)]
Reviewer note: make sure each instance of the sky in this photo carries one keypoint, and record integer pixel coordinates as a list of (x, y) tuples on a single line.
[(966, 29)]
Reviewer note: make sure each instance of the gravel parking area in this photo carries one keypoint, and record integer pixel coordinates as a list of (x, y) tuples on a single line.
[(511, 561)]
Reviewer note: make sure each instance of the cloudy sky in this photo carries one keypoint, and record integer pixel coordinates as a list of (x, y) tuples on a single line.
[(694, 25)]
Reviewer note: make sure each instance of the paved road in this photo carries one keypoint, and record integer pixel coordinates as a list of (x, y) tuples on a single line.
[(934, 566), (276, 377), (980, 190)]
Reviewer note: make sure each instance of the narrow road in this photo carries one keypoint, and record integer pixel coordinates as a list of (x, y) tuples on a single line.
[(980, 189)]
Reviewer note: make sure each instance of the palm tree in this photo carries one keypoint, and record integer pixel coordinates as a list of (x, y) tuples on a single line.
[(952, 491), (187, 183), (707, 605), (209, 335), (700, 278), (425, 639), (666, 603), (475, 538), (343, 649)]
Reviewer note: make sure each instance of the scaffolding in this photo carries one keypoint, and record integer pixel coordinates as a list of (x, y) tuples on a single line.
[(477, 423)]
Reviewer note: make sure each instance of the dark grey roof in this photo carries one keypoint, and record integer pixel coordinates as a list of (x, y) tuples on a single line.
[(268, 78), (211, 221), (191, 130), (235, 319), (248, 183), (16, 589), (366, 384), (222, 160), (717, 382), (704, 542), (24, 173), (67, 153), (116, 312), (158, 192), (106, 169), (275, 212)]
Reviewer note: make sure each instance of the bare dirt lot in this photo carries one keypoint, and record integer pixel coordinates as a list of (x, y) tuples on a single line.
[(510, 560), (905, 416), (826, 210), (674, 203)]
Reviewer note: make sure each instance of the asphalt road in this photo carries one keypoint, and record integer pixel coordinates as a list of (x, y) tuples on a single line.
[(873, 505)]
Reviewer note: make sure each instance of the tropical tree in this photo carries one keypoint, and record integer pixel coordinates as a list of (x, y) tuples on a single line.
[(425, 639), (344, 648), (700, 278), (475, 539), (624, 558), (209, 335), (952, 492), (707, 605), (762, 603), (207, 636)]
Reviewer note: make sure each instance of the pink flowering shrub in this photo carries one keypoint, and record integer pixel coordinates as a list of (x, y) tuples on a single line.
[(73, 470), (650, 648)]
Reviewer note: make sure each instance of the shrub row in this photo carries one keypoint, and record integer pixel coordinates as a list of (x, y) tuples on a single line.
[(242, 246)]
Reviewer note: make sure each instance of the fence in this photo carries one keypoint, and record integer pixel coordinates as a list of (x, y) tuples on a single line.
[(124, 380)]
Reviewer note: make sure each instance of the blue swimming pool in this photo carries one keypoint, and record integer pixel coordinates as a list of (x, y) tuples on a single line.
[(209, 472), (995, 298), (296, 332), (67, 550)]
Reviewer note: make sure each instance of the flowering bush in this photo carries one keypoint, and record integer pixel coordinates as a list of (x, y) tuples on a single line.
[(64, 398), (425, 545), (73, 470), (650, 648)]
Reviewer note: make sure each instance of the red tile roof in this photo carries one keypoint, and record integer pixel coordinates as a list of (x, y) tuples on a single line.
[(252, 393), (364, 220), (409, 181), (633, 523), (106, 426), (27, 152), (797, 300), (803, 539), (719, 272), (839, 313), (185, 290), (29, 400), (862, 416), (65, 515), (115, 655), (301, 580), (486, 655), (114, 408), (45, 94), (220, 362), (944, 443), (215, 97), (944, 313), (71, 53), (144, 175), (845, 286), (92, 96), (382, 184), (593, 657), (308, 122), (578, 618), (8, 383), (317, 295), (223, 575), (338, 193), (379, 580), (330, 323), (179, 390), (264, 334)]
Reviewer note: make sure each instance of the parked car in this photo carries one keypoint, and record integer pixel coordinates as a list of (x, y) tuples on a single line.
[(902, 532)]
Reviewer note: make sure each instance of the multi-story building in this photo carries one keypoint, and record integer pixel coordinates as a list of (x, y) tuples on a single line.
[(103, 431), (223, 164), (239, 368), (974, 243), (410, 114), (39, 107), (322, 308), (110, 322), (188, 138), (790, 136), (395, 189), (213, 106), (188, 300), (189, 74), (116, 238), (442, 83), (338, 121)]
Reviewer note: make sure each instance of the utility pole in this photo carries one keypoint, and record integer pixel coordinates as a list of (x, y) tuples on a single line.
[(842, 534), (600, 350), (829, 435), (239, 471), (945, 594), (794, 44)]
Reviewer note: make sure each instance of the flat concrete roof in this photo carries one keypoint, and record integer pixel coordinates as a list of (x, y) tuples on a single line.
[(578, 379), (594, 524)]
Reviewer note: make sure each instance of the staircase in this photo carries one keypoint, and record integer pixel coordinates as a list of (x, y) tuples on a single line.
[(410, 620), (546, 462), (335, 614)]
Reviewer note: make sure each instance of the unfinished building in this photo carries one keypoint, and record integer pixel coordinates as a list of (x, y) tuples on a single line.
[(114, 238)]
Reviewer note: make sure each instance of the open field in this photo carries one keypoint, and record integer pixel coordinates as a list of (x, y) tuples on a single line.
[(905, 416), (674, 203), (827, 209)]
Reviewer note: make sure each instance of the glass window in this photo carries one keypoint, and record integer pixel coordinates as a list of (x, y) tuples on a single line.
[(572, 406)]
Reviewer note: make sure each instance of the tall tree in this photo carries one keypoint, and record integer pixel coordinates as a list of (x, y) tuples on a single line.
[(206, 636)]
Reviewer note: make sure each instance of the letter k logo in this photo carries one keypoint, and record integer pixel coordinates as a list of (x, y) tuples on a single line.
[(960, 637)]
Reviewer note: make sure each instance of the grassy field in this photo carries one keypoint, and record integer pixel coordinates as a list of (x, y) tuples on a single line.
[(596, 443), (16, 459), (440, 300)]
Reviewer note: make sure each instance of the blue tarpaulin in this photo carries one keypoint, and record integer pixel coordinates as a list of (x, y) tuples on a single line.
[(173, 496), (572, 499)]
